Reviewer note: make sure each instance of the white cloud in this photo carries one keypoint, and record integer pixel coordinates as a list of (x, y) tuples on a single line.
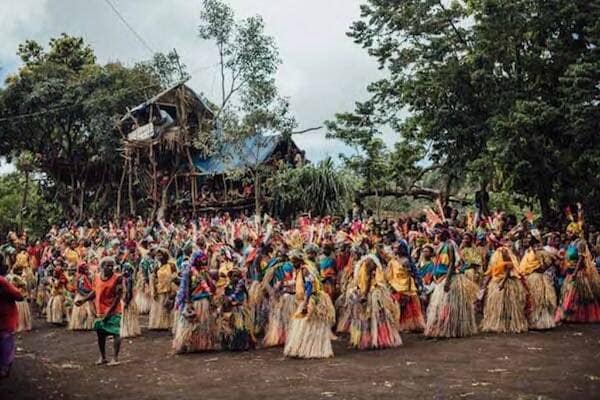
[(323, 71)]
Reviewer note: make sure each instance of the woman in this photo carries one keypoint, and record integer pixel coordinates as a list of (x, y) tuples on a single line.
[(130, 323), (507, 297), (540, 285), (310, 334), (20, 282), (400, 276), (279, 283), (197, 328), (82, 317), (143, 299), (375, 314), (161, 285), (57, 285), (451, 311), (580, 293), (236, 317)]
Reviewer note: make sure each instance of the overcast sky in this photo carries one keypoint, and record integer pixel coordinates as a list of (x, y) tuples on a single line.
[(323, 71)]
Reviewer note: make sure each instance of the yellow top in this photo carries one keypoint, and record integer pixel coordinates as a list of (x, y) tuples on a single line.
[(71, 256), (22, 260), (530, 262), (498, 265), (164, 277), (399, 277)]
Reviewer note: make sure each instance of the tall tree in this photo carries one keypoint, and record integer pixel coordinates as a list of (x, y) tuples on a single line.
[(494, 90), (61, 106)]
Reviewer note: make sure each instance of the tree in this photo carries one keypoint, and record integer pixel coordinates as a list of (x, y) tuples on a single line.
[(495, 91), (250, 105), (61, 106)]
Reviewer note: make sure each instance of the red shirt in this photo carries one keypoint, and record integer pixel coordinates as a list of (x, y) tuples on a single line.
[(106, 291), (9, 316)]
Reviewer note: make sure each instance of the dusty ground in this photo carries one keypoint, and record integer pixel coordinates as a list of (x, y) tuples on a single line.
[(53, 363)]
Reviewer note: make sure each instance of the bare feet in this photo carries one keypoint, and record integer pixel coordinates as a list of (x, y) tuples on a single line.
[(101, 361)]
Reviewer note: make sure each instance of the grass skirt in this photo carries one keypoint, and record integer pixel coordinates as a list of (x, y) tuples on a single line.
[(309, 335), (196, 330), (411, 314), (280, 314), (452, 313), (235, 329), (142, 299), (374, 324), (83, 316), (160, 318), (504, 310), (55, 310), (259, 307), (580, 297), (543, 301), (24, 316), (130, 322), (344, 313)]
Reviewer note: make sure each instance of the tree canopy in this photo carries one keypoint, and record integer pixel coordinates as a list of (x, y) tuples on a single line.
[(483, 90)]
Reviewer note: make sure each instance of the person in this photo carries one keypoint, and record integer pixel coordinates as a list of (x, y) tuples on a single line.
[(82, 317), (9, 320), (404, 287), (328, 270), (130, 322), (161, 285), (309, 334), (236, 321), (106, 294), (197, 327), (540, 285), (280, 284), (580, 293), (506, 298), (451, 311), (375, 315)]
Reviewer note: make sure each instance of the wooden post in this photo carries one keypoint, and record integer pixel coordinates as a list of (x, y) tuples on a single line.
[(130, 184)]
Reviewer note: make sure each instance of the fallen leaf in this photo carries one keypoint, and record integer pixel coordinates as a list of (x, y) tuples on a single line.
[(593, 377), (497, 370), (387, 384), (328, 394), (467, 394)]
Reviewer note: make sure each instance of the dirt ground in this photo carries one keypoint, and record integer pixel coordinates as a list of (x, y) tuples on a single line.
[(53, 363)]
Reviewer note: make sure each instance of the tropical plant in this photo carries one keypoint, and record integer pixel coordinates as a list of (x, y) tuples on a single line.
[(320, 189)]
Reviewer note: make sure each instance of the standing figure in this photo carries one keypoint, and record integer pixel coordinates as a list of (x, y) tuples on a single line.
[(82, 317), (540, 285), (580, 292), (236, 317), (9, 320), (106, 294), (282, 305), (197, 328), (506, 296), (161, 284), (143, 299), (375, 314), (310, 334), (451, 311), (401, 275), (130, 323), (57, 285)]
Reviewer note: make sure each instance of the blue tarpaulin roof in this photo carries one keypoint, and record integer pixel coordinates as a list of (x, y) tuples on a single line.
[(248, 153)]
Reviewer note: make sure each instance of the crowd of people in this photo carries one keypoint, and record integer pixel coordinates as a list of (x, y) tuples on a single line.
[(238, 284)]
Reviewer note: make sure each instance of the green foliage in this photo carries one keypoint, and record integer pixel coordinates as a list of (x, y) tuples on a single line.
[(71, 104), (321, 189), (499, 91), (38, 215)]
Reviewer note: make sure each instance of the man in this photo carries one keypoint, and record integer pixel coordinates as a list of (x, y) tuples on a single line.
[(106, 293), (9, 319)]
